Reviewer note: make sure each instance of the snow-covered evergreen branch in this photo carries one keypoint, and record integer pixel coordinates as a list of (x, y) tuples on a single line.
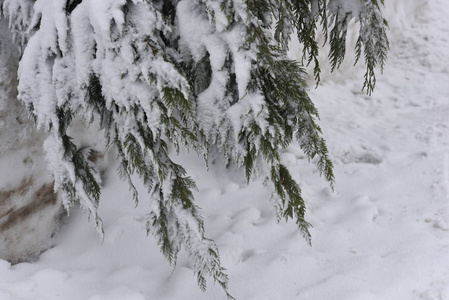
[(193, 74)]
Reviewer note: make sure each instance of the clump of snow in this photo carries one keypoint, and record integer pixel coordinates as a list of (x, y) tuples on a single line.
[(20, 13), (343, 7)]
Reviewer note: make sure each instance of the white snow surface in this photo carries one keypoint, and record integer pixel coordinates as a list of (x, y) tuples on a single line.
[(383, 233)]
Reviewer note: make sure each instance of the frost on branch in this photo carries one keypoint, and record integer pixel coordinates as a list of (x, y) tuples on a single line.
[(19, 14), (201, 75)]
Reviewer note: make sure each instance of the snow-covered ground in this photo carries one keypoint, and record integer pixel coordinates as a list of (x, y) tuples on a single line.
[(383, 233)]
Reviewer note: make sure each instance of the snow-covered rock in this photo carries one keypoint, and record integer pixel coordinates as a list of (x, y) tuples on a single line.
[(29, 208)]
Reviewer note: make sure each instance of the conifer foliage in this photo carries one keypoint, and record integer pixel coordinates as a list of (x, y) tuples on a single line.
[(195, 74)]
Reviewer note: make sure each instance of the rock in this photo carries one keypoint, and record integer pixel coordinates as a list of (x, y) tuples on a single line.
[(30, 210)]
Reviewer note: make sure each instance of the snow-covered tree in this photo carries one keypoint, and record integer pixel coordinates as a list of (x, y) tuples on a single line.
[(205, 75)]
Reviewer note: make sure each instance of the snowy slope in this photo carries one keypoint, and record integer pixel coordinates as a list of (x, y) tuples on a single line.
[(383, 233)]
